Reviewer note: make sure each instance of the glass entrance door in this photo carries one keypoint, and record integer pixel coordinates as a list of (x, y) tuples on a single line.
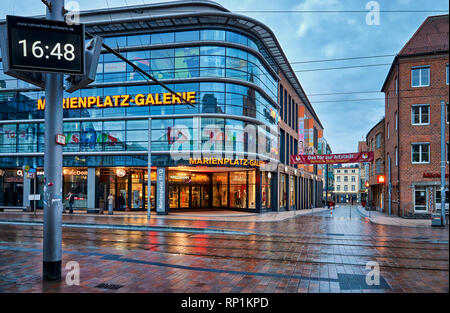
[(184, 196), (196, 197), (204, 203), (173, 196)]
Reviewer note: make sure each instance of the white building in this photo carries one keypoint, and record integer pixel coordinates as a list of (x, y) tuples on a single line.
[(346, 184)]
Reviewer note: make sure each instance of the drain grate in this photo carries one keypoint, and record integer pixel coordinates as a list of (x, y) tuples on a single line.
[(358, 282), (109, 286)]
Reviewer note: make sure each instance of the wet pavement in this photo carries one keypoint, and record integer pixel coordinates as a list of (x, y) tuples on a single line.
[(305, 253)]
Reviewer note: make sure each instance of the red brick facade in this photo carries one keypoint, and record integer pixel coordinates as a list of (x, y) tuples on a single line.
[(376, 190), (406, 176)]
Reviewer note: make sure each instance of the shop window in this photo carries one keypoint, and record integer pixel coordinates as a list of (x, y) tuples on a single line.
[(75, 181), (283, 191), (266, 189), (292, 197), (220, 190)]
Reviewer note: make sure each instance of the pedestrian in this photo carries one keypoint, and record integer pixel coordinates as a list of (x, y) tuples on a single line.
[(71, 199), (121, 200), (110, 204)]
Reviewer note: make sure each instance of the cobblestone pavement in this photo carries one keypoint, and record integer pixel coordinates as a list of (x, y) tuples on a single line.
[(305, 253)]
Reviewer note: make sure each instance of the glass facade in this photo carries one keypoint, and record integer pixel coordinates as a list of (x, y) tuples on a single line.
[(108, 126), (229, 76)]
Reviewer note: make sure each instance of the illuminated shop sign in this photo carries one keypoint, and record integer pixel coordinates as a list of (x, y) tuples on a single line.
[(124, 100), (225, 161), (75, 172)]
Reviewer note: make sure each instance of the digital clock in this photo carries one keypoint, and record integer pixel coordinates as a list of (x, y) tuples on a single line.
[(45, 45)]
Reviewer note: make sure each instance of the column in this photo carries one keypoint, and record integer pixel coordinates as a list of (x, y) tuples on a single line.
[(26, 190), (162, 203), (275, 185), (258, 191), (91, 186)]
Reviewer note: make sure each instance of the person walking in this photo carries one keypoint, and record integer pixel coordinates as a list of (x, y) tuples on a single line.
[(71, 201), (110, 204)]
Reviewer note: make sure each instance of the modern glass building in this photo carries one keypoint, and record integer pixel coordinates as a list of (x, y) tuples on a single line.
[(229, 150)]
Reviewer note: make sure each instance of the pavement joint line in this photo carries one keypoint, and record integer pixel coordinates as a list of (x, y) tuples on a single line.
[(134, 227), (119, 258), (271, 251)]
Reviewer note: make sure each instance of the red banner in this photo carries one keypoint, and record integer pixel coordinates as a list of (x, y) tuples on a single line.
[(359, 157)]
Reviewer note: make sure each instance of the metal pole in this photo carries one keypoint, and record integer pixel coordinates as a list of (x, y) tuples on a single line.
[(326, 184), (52, 250), (149, 167), (443, 163), (389, 184)]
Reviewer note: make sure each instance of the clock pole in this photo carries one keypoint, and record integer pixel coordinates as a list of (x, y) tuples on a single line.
[(53, 198)]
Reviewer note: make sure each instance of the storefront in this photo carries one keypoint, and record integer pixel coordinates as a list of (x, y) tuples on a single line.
[(212, 151), (11, 187)]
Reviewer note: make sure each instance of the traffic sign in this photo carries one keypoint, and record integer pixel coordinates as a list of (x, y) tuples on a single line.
[(44, 45)]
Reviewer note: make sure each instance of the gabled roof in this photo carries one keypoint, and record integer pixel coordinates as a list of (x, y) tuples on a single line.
[(431, 37)]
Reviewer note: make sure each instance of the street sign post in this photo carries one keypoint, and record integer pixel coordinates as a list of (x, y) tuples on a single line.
[(41, 51)]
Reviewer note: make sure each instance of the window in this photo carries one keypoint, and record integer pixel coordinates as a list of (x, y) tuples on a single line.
[(420, 199), (396, 120), (353, 188), (420, 114), (338, 188), (388, 130), (353, 179), (396, 156), (338, 178), (420, 76), (353, 171), (345, 171), (345, 188), (345, 178), (378, 166), (396, 85), (338, 171), (378, 141), (387, 99), (420, 152), (446, 74)]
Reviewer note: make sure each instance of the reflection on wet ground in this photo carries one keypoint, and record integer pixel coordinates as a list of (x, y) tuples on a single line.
[(303, 254)]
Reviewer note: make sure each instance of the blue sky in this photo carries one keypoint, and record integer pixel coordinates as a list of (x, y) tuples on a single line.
[(318, 36)]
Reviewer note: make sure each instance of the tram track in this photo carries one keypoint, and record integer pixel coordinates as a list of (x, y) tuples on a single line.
[(270, 255), (244, 235), (260, 240)]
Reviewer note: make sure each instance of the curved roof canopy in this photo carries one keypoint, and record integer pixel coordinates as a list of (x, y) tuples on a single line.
[(174, 15)]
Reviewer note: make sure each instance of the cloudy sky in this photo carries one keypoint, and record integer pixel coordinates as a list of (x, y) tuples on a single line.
[(321, 36)]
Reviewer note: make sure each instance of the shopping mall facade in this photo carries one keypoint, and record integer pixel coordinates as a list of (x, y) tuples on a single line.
[(229, 150)]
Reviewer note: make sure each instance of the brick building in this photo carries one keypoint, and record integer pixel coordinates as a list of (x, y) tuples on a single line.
[(363, 168), (416, 84), (375, 143)]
